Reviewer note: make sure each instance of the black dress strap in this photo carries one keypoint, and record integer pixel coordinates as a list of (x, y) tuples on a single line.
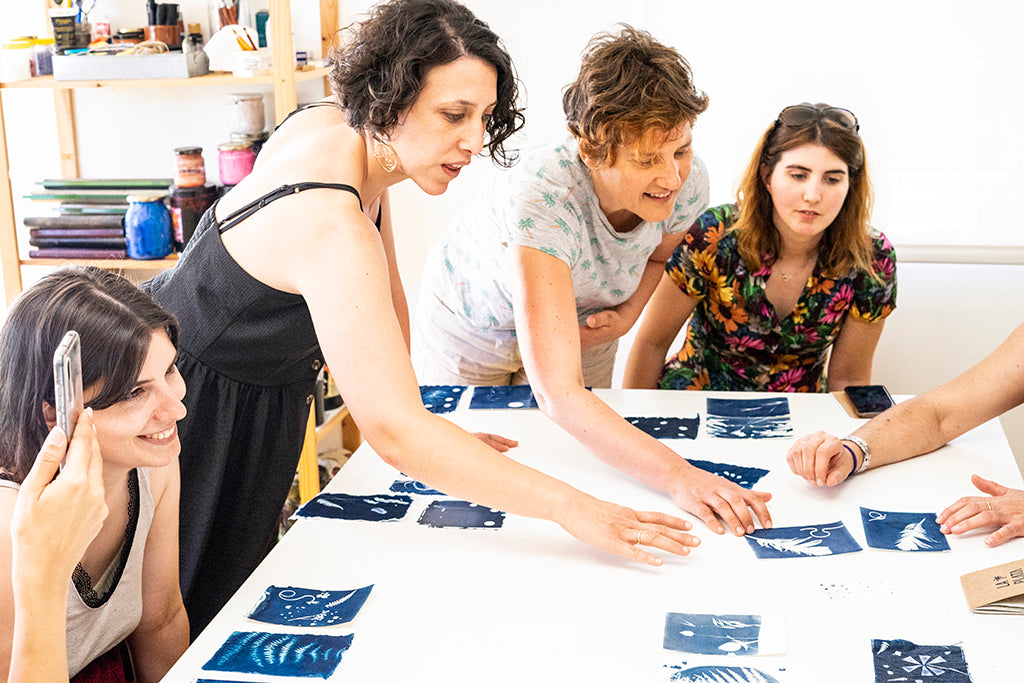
[(252, 207), (304, 108)]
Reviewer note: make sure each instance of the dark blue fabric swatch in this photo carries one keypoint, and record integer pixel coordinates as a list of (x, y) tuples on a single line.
[(415, 487), (667, 427), (906, 531), (461, 514), (748, 418), (712, 634), (345, 506), (902, 660), (811, 540), (441, 398), (280, 654), (290, 606), (747, 477), (507, 396)]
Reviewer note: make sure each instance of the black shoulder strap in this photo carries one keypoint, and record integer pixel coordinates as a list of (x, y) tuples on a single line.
[(304, 108), (252, 207)]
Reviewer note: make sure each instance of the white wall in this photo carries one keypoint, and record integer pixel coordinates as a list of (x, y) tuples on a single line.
[(930, 80)]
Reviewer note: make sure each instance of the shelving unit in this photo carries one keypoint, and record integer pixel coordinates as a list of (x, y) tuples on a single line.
[(283, 78)]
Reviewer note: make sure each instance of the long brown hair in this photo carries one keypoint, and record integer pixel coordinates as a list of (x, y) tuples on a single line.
[(846, 244)]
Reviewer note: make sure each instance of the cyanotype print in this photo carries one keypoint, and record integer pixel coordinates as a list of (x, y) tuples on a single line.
[(514, 396), (345, 506), (746, 477), (280, 654), (712, 634), (290, 606), (441, 398), (461, 514), (748, 418), (906, 531), (667, 427), (721, 674), (902, 660), (813, 540), (414, 487)]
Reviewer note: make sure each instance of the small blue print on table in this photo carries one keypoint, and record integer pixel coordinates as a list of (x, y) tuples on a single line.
[(720, 674), (667, 427), (748, 418), (441, 398), (712, 634), (366, 508), (280, 654), (290, 606), (902, 660), (510, 396), (811, 540), (461, 514), (746, 477), (906, 531), (415, 487)]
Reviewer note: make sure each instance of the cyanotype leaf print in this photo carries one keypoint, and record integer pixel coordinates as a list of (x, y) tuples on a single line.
[(799, 546), (913, 537), (723, 674)]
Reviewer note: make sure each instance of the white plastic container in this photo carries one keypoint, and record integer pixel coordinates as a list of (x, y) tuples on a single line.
[(16, 60)]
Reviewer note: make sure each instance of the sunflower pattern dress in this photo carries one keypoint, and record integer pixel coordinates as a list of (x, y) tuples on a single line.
[(737, 341)]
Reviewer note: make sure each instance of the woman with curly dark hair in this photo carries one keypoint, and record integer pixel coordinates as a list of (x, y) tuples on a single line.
[(296, 265)]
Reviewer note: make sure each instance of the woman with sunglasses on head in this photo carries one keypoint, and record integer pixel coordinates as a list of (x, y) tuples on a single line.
[(554, 261), (296, 266), (776, 282), (89, 571)]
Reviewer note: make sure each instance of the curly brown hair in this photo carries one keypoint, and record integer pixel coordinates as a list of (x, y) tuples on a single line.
[(379, 71), (628, 84), (847, 243)]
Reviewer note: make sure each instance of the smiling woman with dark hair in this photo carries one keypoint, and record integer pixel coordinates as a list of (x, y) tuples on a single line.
[(791, 277)]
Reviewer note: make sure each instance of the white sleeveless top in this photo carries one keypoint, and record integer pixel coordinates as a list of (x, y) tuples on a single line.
[(91, 631)]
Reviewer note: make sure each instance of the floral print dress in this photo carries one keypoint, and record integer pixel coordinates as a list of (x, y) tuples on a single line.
[(736, 340)]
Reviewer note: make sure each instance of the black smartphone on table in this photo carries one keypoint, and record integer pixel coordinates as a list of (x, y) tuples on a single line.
[(67, 383), (869, 400)]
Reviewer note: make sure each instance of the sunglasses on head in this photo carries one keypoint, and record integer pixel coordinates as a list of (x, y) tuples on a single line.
[(802, 114)]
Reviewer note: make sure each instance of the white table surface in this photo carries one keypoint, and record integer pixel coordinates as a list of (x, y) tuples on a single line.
[(527, 602)]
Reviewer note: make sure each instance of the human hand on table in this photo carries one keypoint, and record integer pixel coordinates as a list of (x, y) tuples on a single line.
[(711, 497), (821, 459), (55, 520), (1005, 509), (622, 531), (602, 327), (496, 441)]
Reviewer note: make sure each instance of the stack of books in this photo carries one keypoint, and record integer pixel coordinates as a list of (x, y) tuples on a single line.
[(87, 221)]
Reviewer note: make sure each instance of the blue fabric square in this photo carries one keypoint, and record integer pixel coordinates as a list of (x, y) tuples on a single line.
[(902, 660), (667, 427), (712, 634), (414, 487), (461, 514), (906, 531), (441, 398), (812, 540), (280, 654), (747, 477), (748, 418), (290, 606), (345, 506), (507, 396)]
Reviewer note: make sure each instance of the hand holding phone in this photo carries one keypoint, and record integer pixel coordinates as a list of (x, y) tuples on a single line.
[(67, 383), (869, 400)]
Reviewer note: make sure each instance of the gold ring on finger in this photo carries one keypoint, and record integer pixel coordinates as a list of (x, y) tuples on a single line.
[(989, 503), (639, 533)]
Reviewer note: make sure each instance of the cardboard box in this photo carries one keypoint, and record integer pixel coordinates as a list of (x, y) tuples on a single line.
[(85, 67)]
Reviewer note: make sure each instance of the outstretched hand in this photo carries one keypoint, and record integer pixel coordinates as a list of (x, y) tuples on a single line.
[(821, 459), (622, 531), (711, 498), (496, 441), (55, 520), (602, 327), (1004, 509)]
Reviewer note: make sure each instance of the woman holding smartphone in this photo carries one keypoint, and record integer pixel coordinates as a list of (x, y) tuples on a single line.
[(91, 558), (789, 278)]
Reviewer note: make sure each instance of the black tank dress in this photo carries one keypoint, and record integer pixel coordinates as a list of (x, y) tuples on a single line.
[(250, 357)]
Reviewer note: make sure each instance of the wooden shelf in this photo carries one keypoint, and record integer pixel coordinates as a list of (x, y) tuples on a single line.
[(113, 263), (215, 78), (332, 420)]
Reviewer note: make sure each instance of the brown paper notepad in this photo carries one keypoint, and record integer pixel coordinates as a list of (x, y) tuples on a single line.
[(996, 590)]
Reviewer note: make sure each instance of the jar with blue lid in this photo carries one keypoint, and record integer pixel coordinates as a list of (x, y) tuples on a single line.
[(147, 227)]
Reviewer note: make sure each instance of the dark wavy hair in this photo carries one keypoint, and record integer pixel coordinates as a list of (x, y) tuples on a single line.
[(847, 243), (628, 84), (380, 69), (115, 321)]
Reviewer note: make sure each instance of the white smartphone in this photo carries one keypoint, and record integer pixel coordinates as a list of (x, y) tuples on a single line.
[(67, 383)]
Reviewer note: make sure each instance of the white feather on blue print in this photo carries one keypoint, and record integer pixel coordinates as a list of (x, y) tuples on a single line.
[(798, 546), (722, 674), (914, 537)]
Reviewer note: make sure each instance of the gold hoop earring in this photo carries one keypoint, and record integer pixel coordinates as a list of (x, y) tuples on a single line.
[(385, 156)]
